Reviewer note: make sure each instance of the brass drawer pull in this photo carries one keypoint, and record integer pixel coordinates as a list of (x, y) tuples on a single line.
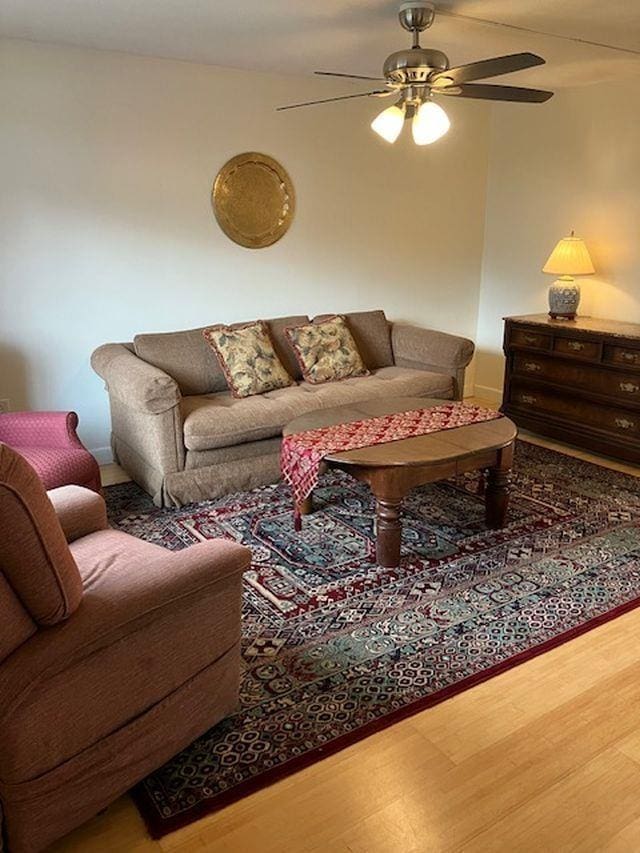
[(631, 357), (532, 366), (629, 387), (527, 398), (625, 423), (530, 339), (576, 346)]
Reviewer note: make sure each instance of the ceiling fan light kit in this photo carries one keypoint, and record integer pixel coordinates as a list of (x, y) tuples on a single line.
[(388, 124), (417, 74), (430, 123)]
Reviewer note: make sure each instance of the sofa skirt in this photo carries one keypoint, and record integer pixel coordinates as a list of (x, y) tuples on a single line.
[(210, 474)]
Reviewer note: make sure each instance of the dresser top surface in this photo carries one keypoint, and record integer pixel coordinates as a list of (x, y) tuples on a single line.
[(582, 324)]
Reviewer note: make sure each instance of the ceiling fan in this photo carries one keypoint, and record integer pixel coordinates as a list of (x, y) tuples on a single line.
[(418, 73)]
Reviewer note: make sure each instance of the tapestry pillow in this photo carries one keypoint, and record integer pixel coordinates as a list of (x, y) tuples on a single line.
[(372, 333), (326, 351), (247, 358)]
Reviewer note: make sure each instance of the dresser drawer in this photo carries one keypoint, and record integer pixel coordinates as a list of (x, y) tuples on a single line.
[(591, 378), (609, 418), (532, 340), (588, 350), (622, 355)]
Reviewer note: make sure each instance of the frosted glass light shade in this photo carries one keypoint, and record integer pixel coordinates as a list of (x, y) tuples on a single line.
[(429, 123), (389, 123), (570, 257)]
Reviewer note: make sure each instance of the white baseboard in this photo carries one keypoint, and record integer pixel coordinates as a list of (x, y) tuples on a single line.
[(486, 393), (103, 455)]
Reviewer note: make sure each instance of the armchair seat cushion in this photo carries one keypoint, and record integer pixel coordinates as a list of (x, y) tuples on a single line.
[(150, 619)]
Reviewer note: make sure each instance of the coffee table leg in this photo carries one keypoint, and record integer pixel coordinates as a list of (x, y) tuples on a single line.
[(305, 507), (388, 532), (496, 497)]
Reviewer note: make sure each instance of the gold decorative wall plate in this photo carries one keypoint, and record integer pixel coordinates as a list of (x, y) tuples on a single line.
[(253, 200)]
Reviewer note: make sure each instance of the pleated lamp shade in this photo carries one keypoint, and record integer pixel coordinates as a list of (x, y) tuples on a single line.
[(570, 257)]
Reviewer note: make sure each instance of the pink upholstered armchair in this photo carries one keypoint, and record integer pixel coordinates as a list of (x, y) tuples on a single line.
[(49, 442), (114, 653)]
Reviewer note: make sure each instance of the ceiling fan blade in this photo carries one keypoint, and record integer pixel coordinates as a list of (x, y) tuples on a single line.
[(351, 76), (488, 68), (487, 92), (339, 98)]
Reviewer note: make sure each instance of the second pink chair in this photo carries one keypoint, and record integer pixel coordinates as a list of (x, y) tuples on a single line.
[(50, 443)]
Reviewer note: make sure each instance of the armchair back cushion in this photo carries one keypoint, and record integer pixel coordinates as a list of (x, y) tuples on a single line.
[(35, 561), (188, 359)]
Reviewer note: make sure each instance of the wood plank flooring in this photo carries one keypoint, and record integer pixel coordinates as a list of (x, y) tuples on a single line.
[(544, 758)]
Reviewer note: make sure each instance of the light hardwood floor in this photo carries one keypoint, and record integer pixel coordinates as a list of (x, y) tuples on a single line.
[(541, 759)]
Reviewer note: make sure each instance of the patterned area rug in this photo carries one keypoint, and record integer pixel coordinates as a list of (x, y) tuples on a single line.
[(336, 647)]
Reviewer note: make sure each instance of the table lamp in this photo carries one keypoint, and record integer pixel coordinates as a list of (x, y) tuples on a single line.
[(570, 257)]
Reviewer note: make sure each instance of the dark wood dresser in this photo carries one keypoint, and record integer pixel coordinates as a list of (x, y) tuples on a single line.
[(577, 381)]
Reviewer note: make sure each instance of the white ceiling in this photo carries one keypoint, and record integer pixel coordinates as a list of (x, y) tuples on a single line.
[(296, 37)]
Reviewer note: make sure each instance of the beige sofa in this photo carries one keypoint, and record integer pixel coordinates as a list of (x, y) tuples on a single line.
[(180, 434)]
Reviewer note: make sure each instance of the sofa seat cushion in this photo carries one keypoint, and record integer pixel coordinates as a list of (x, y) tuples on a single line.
[(383, 383), (219, 420), (61, 692)]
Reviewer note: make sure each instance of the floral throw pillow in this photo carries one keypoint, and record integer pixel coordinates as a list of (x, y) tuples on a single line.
[(247, 358), (326, 351)]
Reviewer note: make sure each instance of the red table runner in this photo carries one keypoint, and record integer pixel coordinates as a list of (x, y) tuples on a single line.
[(302, 453)]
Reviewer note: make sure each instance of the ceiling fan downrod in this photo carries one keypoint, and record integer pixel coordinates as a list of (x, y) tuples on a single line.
[(416, 16)]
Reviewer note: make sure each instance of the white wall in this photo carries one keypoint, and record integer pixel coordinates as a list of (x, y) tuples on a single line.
[(106, 166), (571, 163)]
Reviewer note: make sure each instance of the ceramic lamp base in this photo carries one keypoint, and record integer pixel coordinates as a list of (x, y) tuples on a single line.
[(564, 298)]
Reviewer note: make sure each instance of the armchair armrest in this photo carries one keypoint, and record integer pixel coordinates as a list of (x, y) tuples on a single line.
[(40, 429), (149, 621), (80, 511), (134, 381)]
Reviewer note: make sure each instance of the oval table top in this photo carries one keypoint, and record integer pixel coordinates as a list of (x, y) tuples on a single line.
[(436, 447)]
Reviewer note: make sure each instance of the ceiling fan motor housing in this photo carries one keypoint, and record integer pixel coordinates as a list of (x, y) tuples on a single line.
[(414, 65)]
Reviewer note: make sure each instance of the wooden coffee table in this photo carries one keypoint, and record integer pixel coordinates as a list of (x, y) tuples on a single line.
[(394, 468)]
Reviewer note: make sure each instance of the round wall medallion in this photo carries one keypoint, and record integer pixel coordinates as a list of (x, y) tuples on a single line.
[(253, 200)]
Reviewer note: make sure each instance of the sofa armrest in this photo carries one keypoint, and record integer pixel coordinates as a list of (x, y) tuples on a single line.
[(80, 511), (426, 346), (426, 349), (40, 429), (137, 383)]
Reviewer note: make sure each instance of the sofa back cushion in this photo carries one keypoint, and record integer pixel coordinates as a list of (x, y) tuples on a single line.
[(372, 334), (282, 344), (188, 359), (35, 560)]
